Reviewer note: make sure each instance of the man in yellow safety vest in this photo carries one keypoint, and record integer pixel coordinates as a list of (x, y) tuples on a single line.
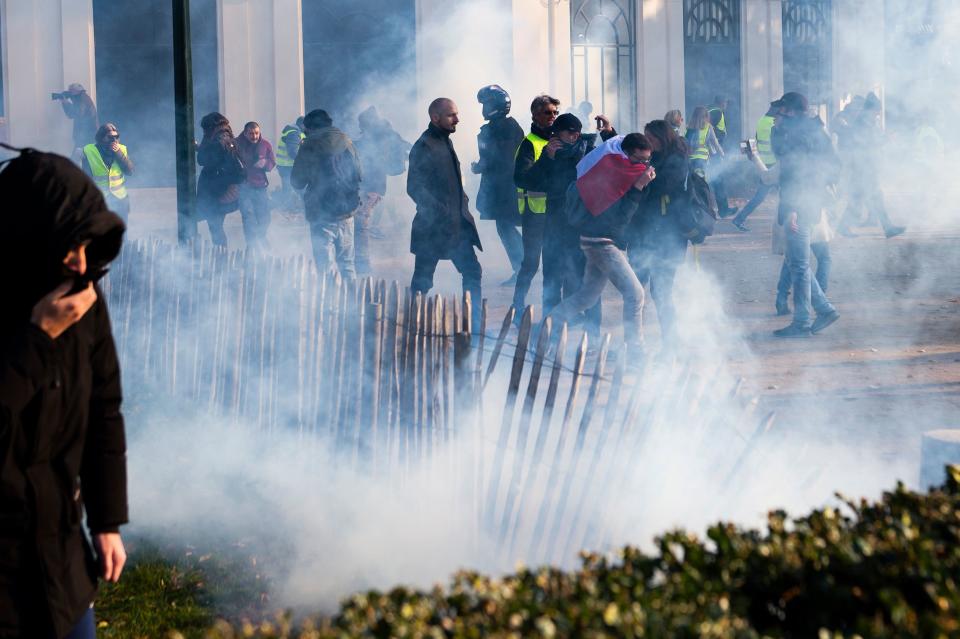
[(531, 193), (718, 118), (765, 152), (291, 138), (107, 162)]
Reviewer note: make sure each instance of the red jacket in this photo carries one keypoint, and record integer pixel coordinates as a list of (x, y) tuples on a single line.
[(250, 154)]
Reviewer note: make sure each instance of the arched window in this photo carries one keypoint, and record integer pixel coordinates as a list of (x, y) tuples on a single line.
[(602, 39)]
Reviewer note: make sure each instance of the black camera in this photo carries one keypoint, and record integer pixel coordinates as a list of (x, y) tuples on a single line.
[(63, 95)]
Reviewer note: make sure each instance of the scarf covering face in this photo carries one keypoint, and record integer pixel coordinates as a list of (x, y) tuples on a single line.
[(605, 175)]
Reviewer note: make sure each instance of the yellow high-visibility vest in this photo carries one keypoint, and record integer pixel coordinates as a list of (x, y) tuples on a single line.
[(721, 126), (764, 133), (534, 200), (108, 180), (701, 152), (283, 157)]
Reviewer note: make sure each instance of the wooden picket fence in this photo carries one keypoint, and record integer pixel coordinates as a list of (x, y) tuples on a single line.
[(395, 380)]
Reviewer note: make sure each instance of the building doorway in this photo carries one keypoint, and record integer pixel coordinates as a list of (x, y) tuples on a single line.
[(603, 59), (711, 58)]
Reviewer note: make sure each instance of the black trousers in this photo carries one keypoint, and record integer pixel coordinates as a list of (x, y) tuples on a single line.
[(465, 260)]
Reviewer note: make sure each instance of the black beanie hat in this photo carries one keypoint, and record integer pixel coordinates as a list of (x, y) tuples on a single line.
[(567, 122)]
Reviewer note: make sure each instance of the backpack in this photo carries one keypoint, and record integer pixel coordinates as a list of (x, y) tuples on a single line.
[(336, 189), (699, 216), (574, 209)]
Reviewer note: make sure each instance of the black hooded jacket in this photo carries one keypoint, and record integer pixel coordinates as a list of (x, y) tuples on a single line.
[(62, 444)]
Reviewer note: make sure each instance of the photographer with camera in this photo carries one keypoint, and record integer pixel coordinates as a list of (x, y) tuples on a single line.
[(107, 162), (79, 107)]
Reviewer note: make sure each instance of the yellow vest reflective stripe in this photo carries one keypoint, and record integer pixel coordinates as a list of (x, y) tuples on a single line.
[(282, 156), (701, 152), (764, 132), (108, 180), (537, 202), (722, 123)]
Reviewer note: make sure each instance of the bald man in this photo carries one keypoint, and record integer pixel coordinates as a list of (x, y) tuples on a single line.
[(443, 228)]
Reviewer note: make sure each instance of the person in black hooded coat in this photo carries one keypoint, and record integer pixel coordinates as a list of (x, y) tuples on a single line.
[(658, 245), (62, 444)]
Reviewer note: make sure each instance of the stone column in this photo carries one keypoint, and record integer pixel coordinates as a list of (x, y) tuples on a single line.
[(261, 60), (761, 51), (660, 76), (47, 45)]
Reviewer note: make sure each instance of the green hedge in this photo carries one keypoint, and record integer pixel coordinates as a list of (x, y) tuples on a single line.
[(886, 569)]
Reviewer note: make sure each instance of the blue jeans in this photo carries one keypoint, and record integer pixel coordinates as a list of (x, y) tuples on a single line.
[(763, 190), (86, 628), (333, 246), (255, 213), (820, 250), (806, 289)]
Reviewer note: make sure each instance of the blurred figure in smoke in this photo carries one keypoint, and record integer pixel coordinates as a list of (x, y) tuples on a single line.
[(621, 166), (497, 142), (61, 431), (256, 155), (443, 228), (657, 243), (382, 152), (79, 107), (107, 162), (704, 147), (808, 166), (583, 111), (328, 167), (218, 187), (563, 260), (718, 120), (675, 119), (531, 194), (291, 138), (764, 130), (864, 158)]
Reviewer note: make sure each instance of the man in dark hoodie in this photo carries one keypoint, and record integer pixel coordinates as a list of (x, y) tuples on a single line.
[(443, 228), (328, 167), (382, 153), (62, 440)]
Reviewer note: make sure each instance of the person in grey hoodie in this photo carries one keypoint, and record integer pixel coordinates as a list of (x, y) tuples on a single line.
[(328, 167)]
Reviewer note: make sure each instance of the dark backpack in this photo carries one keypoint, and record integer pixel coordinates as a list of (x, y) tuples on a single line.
[(698, 215), (574, 209), (336, 189)]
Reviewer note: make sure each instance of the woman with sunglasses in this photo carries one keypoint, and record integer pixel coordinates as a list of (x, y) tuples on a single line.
[(107, 162)]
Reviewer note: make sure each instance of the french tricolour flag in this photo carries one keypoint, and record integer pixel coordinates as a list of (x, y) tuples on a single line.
[(605, 174)]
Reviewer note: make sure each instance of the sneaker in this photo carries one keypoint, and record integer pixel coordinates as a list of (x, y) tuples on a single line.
[(793, 330), (743, 228), (783, 308), (824, 321), (894, 231), (510, 281), (844, 231), (730, 212)]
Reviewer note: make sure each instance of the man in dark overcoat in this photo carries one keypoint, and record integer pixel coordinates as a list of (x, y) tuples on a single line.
[(443, 228)]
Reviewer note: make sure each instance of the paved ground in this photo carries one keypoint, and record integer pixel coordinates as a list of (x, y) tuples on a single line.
[(866, 388)]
